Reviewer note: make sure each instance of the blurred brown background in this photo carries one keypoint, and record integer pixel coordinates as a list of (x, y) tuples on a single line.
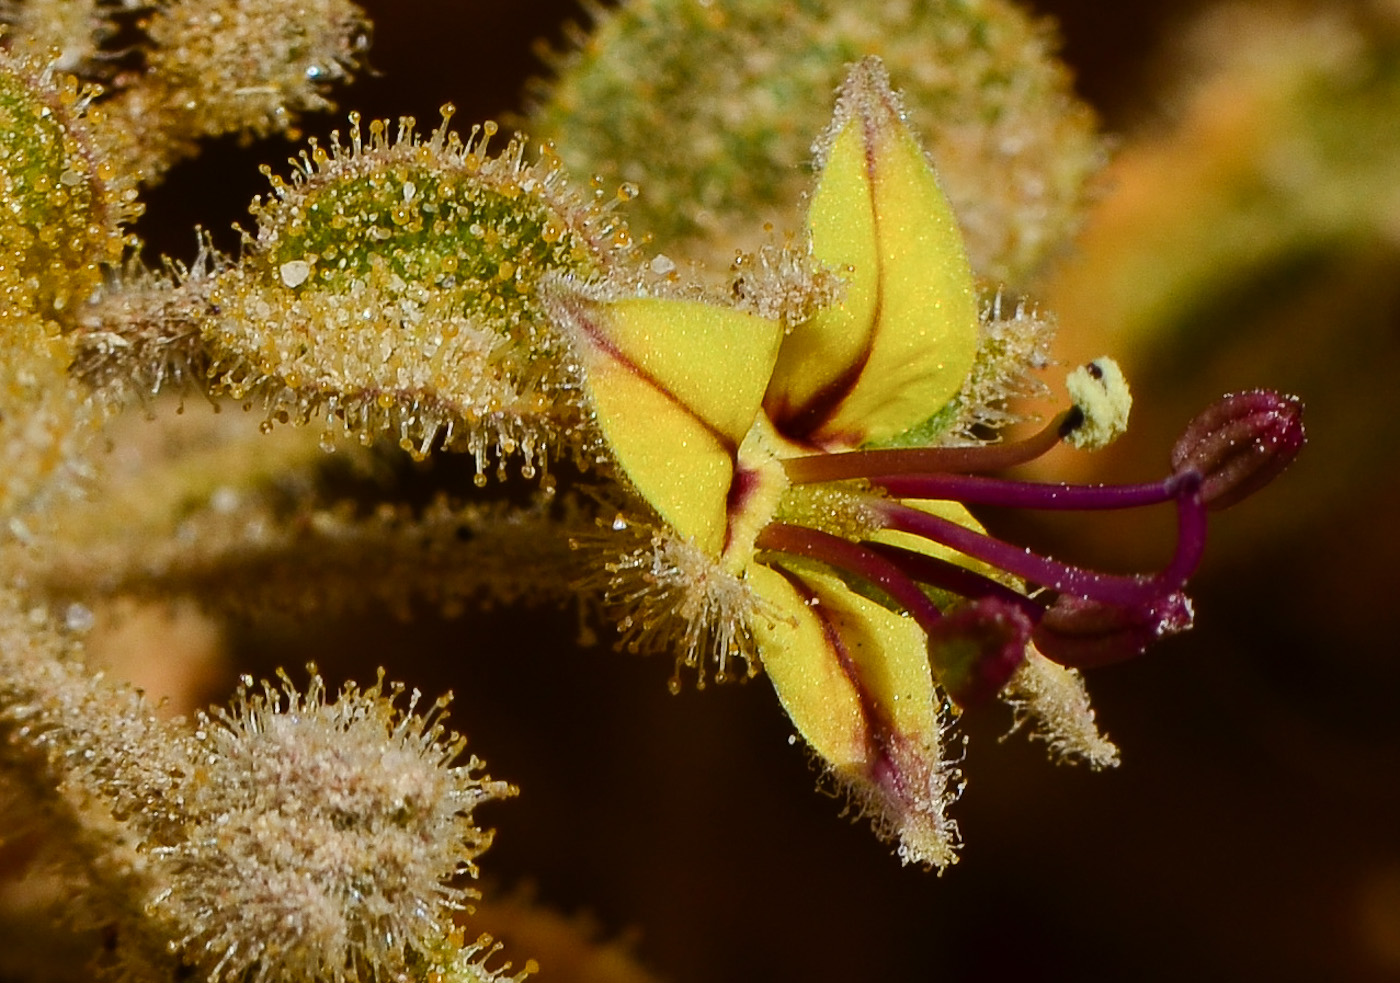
[(1253, 830)]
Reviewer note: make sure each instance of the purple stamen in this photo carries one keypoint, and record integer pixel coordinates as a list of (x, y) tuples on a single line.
[(971, 489), (946, 575), (1240, 443), (1229, 451), (1190, 533), (1114, 589), (1083, 634), (973, 651), (846, 465), (854, 558)]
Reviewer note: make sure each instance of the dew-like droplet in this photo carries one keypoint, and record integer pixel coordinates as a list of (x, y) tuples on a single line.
[(78, 618), (295, 272)]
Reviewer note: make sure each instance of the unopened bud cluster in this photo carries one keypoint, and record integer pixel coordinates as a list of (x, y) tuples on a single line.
[(298, 836)]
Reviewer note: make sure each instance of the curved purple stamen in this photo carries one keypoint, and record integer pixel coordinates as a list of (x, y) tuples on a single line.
[(946, 575), (971, 489), (1117, 589), (1230, 450), (846, 465), (1190, 532), (854, 558)]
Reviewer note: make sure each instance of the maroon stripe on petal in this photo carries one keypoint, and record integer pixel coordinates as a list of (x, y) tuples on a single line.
[(800, 423), (604, 344)]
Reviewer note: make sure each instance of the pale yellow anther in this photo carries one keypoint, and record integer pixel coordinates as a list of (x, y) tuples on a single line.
[(1099, 391)]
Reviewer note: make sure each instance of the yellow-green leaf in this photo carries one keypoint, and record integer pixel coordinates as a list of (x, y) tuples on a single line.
[(902, 339), (675, 386)]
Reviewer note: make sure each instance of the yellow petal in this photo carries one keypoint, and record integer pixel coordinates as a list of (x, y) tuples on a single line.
[(902, 340), (675, 385), (854, 678)]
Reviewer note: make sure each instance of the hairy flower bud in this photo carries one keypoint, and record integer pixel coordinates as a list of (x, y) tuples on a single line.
[(296, 837), (391, 285), (1241, 443), (61, 224), (64, 204), (323, 839)]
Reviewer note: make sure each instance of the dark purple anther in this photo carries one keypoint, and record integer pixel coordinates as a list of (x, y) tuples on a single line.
[(1082, 633), (975, 649), (1240, 444)]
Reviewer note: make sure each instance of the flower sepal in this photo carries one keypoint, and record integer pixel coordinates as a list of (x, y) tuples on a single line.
[(903, 336), (675, 386)]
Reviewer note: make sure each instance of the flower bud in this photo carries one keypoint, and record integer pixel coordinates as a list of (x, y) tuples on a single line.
[(390, 288), (65, 204), (1240, 443)]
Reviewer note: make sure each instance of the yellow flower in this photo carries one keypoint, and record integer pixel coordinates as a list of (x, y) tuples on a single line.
[(774, 457)]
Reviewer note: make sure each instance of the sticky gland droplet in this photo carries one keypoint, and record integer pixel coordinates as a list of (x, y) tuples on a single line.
[(295, 272)]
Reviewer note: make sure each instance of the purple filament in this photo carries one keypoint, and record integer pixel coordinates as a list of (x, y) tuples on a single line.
[(845, 465), (972, 489), (1116, 589), (945, 575), (853, 558)]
